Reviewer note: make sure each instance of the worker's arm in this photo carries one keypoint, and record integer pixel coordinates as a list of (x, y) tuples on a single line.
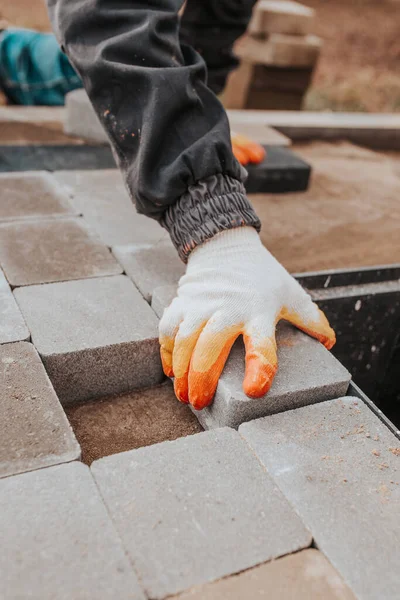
[(169, 131)]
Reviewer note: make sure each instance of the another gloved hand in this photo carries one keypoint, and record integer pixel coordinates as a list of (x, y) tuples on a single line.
[(245, 150), (233, 286)]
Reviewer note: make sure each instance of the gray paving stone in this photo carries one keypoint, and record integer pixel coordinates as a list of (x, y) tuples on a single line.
[(96, 337), (196, 509), (81, 119), (339, 466), (307, 373), (12, 325), (102, 198), (32, 195), (161, 298), (306, 575), (34, 431), (52, 250), (59, 541), (151, 265)]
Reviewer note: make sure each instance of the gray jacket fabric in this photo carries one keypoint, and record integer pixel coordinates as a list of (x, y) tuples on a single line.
[(149, 87)]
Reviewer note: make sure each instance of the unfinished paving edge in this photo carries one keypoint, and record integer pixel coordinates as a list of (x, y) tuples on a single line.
[(180, 511), (12, 325)]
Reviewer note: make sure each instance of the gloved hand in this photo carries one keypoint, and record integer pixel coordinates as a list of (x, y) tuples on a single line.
[(233, 286), (245, 150)]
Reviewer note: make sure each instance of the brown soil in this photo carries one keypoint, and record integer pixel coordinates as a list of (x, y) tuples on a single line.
[(117, 424), (349, 217)]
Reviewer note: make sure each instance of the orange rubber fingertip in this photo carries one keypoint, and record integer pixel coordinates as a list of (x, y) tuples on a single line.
[(166, 362), (181, 389), (256, 154), (240, 155), (258, 378)]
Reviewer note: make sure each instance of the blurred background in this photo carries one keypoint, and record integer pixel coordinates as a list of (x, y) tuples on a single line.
[(356, 66)]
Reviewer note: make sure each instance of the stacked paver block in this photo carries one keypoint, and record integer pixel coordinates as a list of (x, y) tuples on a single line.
[(58, 541), (106, 206), (339, 467), (12, 325), (52, 250), (151, 265), (306, 575), (32, 195), (34, 431), (196, 509), (96, 337), (307, 373), (81, 119), (281, 16)]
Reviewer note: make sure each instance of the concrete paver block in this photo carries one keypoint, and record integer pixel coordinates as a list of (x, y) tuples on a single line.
[(162, 297), (60, 542), (281, 50), (117, 424), (282, 16), (96, 337), (12, 325), (151, 265), (196, 509), (103, 200), (307, 373), (34, 431), (339, 466), (32, 195), (52, 250), (306, 575), (81, 119)]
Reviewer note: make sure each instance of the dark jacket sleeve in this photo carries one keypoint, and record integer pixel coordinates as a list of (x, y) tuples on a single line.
[(169, 132)]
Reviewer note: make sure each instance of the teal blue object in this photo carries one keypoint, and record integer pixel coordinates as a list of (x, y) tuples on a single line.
[(33, 70)]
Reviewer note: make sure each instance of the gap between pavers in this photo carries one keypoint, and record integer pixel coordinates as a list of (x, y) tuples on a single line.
[(12, 325), (306, 575), (307, 373), (96, 337), (339, 467), (195, 510), (151, 265), (58, 540), (34, 430), (32, 195), (102, 198), (47, 251)]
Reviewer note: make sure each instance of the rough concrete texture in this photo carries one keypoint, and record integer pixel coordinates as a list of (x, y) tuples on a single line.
[(59, 541), (307, 373), (32, 195), (133, 420), (162, 298), (34, 431), (96, 337), (306, 575), (280, 50), (52, 250), (105, 204), (12, 325), (81, 119), (338, 465), (186, 518), (151, 265)]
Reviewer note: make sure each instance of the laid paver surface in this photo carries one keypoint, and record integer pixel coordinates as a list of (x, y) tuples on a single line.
[(12, 325), (196, 509), (339, 465), (32, 195), (96, 337), (34, 431), (306, 575), (105, 204), (151, 265), (52, 250), (162, 298), (129, 421), (58, 539)]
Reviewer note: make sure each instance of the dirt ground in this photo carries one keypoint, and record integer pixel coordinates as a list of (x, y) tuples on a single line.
[(360, 64)]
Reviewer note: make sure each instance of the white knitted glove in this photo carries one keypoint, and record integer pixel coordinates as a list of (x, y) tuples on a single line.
[(233, 286)]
